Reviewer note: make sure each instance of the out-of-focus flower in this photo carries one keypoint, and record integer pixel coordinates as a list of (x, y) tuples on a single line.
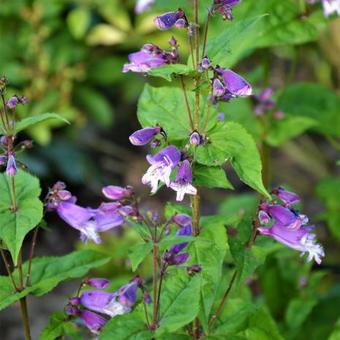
[(220, 116), (12, 102), (263, 101), (161, 167), (183, 183), (300, 239), (228, 84), (143, 5), (224, 7), (144, 136), (115, 193), (11, 168), (149, 57), (170, 19)]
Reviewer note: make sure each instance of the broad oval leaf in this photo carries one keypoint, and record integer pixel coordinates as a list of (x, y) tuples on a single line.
[(16, 225)]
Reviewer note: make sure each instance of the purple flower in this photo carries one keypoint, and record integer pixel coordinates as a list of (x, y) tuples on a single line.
[(143, 5), (264, 218), (182, 220), (220, 116), (161, 167), (127, 295), (11, 168), (183, 184), (115, 193), (144, 136), (170, 19), (278, 115), (287, 197), (206, 63), (195, 138), (300, 239), (330, 7), (224, 7), (92, 321), (98, 283), (147, 297), (150, 56), (263, 101), (3, 160), (174, 260), (12, 102)]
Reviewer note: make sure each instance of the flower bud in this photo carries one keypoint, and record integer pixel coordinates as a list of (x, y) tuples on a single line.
[(97, 283), (12, 102), (195, 138), (11, 168), (195, 268), (114, 193), (144, 136)]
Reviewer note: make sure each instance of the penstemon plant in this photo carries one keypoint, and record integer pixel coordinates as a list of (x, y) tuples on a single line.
[(198, 261)]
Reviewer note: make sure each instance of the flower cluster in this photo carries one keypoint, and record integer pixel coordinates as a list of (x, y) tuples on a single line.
[(94, 307), (90, 222), (286, 225), (264, 103)]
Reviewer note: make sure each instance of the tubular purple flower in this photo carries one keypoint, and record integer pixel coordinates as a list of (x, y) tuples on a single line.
[(225, 7), (12, 102), (183, 184), (98, 283), (195, 138), (161, 167), (144, 136), (175, 260), (92, 321), (143, 6), (300, 239), (115, 193), (235, 84), (103, 302), (287, 197), (170, 19), (11, 168), (127, 295), (107, 217)]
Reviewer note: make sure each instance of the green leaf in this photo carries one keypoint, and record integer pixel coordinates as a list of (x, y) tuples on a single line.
[(167, 72), (287, 128), (16, 225), (179, 303), (210, 177), (298, 310), (48, 272), (231, 142), (33, 120), (336, 332), (209, 251), (127, 326), (328, 190), (139, 253), (58, 326), (313, 101), (95, 104), (78, 21), (157, 106)]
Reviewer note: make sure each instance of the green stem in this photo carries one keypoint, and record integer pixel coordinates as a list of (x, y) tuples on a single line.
[(25, 318), (8, 269), (195, 206), (155, 254), (206, 28), (30, 258), (187, 102)]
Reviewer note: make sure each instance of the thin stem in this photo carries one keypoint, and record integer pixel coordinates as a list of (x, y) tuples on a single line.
[(195, 206), (146, 314), (155, 254), (21, 279), (187, 102), (265, 155), (224, 299), (197, 32), (198, 77), (191, 45), (197, 104), (5, 111), (207, 116), (8, 269), (25, 318), (205, 34), (30, 258), (160, 288)]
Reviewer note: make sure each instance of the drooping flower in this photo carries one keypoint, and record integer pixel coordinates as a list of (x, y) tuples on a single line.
[(170, 19), (11, 168), (143, 6), (183, 183), (300, 239), (99, 283), (144, 136), (115, 193), (228, 84), (92, 321), (287, 197), (150, 56), (224, 7), (161, 167)]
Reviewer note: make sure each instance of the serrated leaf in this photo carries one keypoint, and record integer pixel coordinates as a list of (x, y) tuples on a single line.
[(167, 72), (287, 128), (179, 303), (139, 253), (231, 142), (58, 326), (16, 225), (210, 177), (166, 106), (48, 272), (33, 120)]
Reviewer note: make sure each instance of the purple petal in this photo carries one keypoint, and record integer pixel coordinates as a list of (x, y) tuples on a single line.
[(167, 20), (98, 283), (114, 193), (235, 84), (144, 136), (184, 173), (287, 197), (93, 321)]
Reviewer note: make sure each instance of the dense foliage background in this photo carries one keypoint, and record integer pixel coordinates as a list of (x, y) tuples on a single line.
[(66, 57)]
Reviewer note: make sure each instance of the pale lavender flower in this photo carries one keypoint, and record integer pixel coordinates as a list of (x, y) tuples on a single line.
[(300, 239), (161, 167), (143, 5), (92, 321), (11, 168), (114, 193), (183, 183), (195, 138), (144, 136), (330, 7)]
